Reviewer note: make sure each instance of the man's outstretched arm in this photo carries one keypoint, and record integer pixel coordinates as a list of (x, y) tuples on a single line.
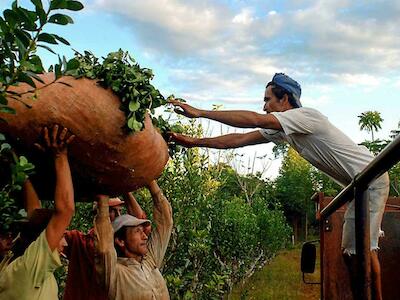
[(228, 141), (236, 118)]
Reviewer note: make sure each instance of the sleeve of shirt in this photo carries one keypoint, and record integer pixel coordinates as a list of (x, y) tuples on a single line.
[(272, 135), (298, 120), (160, 236), (40, 262), (105, 254)]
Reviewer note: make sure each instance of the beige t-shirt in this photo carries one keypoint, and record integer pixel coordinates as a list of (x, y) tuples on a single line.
[(30, 276), (126, 278)]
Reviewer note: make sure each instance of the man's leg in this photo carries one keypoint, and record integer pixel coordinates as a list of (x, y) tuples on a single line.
[(376, 284), (351, 264), (379, 192), (377, 199), (376, 276)]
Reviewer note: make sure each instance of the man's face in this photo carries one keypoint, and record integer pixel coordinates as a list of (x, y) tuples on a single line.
[(136, 240), (271, 102), (115, 211), (5, 243)]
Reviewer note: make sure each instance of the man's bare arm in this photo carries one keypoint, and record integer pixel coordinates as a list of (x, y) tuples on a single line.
[(236, 118), (133, 207), (31, 199), (64, 192), (233, 140), (162, 211)]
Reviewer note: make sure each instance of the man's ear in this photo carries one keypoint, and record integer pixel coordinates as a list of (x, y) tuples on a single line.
[(119, 242), (285, 98)]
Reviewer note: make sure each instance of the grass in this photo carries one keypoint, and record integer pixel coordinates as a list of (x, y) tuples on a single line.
[(280, 279)]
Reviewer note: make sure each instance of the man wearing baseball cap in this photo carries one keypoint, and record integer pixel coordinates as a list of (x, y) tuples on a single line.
[(314, 137), (128, 260), (81, 282)]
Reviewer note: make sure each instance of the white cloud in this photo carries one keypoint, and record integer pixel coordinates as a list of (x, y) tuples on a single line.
[(242, 46), (316, 102), (244, 17), (359, 79)]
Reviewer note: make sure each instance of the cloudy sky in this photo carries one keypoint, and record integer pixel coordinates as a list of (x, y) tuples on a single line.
[(345, 54)]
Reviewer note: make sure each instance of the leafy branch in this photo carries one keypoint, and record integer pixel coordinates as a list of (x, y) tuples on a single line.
[(21, 33)]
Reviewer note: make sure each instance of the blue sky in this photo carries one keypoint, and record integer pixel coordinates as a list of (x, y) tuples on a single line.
[(345, 54)]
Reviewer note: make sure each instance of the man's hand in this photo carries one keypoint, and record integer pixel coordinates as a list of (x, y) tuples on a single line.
[(56, 142), (185, 109), (183, 140)]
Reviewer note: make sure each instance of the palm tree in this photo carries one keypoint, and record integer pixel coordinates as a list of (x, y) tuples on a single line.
[(370, 121)]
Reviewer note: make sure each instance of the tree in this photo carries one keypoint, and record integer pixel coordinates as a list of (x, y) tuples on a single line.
[(294, 188), (370, 121)]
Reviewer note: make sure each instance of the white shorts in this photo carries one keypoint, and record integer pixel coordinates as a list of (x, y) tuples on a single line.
[(378, 194)]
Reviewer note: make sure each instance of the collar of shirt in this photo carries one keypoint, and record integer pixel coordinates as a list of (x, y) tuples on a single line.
[(127, 261)]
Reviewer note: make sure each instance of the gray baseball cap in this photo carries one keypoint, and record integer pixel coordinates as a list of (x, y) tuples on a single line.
[(128, 220)]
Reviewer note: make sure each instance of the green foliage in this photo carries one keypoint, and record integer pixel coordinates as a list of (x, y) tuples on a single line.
[(294, 186), (18, 171), (218, 233), (21, 33), (323, 183), (120, 72), (376, 146)]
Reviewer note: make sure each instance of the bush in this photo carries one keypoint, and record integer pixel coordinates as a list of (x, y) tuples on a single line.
[(218, 234)]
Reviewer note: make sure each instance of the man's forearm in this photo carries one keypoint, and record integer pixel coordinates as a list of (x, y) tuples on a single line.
[(162, 210), (102, 225), (236, 118), (64, 192), (133, 206), (31, 199), (232, 140)]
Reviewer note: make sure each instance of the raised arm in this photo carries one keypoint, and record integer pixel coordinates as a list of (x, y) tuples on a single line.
[(102, 225), (233, 140), (106, 257), (57, 142), (31, 199), (162, 216), (133, 206), (162, 211), (236, 118)]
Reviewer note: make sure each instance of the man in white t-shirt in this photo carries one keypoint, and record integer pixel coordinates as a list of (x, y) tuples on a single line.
[(314, 137)]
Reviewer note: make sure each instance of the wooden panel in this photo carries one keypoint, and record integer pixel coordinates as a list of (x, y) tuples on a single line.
[(334, 273)]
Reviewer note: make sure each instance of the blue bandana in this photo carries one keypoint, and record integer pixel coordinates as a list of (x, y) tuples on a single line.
[(290, 85)]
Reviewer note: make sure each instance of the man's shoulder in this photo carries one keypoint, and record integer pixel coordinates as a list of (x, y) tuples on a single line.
[(303, 112)]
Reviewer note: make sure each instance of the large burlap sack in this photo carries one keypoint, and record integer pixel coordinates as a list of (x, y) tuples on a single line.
[(104, 157)]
